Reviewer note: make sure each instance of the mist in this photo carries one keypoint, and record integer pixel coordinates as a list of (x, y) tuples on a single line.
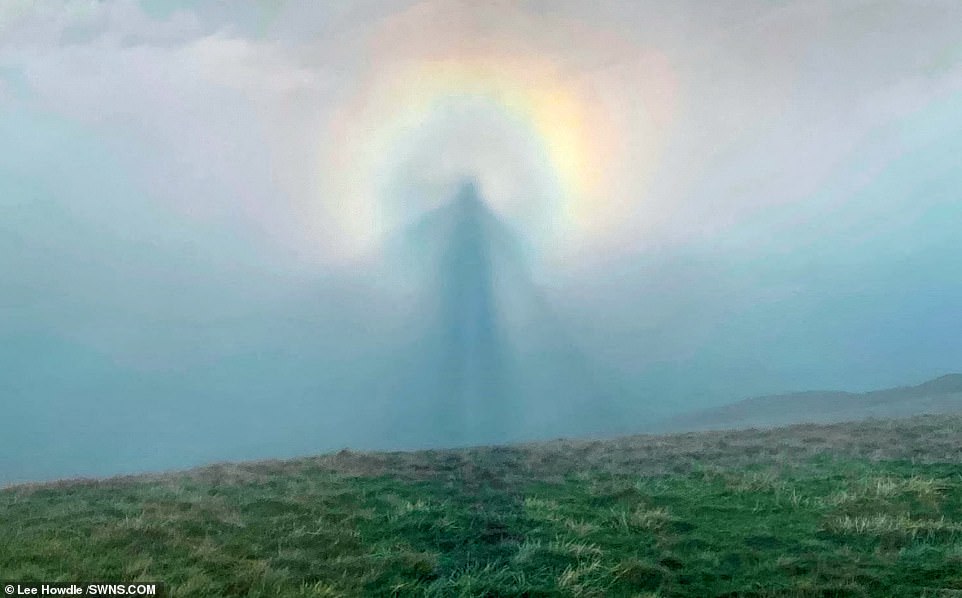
[(260, 231)]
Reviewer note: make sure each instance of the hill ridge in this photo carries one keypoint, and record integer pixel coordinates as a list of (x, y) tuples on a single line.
[(938, 395)]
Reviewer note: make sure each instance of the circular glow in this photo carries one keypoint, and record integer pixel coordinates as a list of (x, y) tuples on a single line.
[(560, 150), (450, 118)]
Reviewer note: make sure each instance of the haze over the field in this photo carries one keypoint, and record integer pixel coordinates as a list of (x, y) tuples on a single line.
[(219, 226)]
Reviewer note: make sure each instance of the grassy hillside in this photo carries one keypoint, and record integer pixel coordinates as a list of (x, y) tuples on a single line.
[(870, 509)]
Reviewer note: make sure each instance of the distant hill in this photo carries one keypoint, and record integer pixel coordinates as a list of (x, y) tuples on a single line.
[(942, 395)]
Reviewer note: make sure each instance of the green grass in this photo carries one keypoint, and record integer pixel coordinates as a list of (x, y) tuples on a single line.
[(870, 509)]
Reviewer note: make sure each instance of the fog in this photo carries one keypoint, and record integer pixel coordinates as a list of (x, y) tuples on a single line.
[(267, 230)]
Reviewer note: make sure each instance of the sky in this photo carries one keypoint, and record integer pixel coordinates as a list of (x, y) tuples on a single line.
[(203, 209)]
